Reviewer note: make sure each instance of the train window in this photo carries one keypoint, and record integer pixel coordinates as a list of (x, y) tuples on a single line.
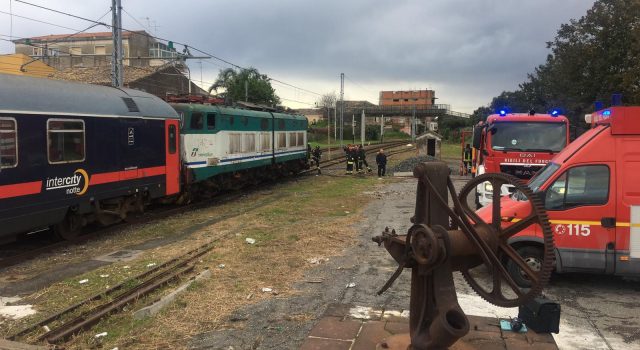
[(211, 121), (249, 144), (292, 139), (65, 140), (300, 139), (196, 121), (172, 139), (235, 143), (282, 140), (8, 143), (265, 141)]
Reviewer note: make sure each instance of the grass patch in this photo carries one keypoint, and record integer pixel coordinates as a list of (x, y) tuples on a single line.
[(451, 150), (307, 220)]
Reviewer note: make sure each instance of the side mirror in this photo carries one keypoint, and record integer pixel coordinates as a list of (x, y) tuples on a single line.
[(477, 136)]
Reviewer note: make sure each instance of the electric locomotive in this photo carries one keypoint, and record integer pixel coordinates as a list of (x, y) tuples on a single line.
[(73, 153), (224, 147)]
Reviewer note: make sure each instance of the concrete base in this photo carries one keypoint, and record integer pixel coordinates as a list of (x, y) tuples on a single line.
[(403, 342), (343, 328)]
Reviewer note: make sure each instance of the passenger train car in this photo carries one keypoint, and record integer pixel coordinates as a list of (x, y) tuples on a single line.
[(72, 154), (75, 153)]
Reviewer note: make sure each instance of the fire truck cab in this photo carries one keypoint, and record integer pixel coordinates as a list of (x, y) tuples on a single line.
[(591, 191), (518, 144)]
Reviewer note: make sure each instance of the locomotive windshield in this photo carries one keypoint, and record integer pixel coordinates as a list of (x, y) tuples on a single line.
[(528, 136)]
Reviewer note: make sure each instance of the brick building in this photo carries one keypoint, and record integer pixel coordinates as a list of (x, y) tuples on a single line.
[(63, 51), (418, 98)]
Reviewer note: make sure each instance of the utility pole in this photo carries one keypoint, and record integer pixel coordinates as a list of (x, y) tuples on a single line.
[(362, 128), (329, 129), (382, 129), (341, 108), (246, 90), (353, 127), (117, 74), (413, 124), (335, 121)]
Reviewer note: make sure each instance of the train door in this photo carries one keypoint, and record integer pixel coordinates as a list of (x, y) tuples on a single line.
[(130, 147), (172, 150)]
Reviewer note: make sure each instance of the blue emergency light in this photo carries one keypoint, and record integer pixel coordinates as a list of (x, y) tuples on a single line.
[(555, 113), (502, 112), (606, 113), (599, 105)]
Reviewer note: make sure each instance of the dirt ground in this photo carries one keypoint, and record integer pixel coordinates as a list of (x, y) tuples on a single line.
[(313, 248), (597, 312)]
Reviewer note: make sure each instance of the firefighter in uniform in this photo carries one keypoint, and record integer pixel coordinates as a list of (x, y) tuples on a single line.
[(354, 155), (467, 159), (316, 154), (362, 159), (348, 154)]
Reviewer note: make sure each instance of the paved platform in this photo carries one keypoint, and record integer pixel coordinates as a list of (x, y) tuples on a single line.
[(346, 327)]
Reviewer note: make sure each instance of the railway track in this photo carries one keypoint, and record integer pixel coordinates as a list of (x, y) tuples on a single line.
[(82, 315), (16, 253), (62, 325), (326, 163)]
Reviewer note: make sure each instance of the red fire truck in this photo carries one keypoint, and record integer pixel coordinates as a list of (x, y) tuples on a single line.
[(591, 192), (516, 144)]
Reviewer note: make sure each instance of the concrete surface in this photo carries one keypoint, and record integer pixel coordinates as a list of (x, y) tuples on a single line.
[(337, 331), (597, 312)]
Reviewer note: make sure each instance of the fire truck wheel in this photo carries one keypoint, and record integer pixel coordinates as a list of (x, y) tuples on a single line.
[(533, 257)]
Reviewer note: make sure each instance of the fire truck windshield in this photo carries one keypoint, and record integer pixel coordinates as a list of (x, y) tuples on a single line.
[(528, 136)]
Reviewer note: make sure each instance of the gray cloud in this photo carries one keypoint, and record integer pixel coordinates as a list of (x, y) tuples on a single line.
[(468, 51)]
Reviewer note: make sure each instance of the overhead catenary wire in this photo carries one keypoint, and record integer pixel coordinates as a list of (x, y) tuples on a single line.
[(133, 18), (35, 20), (162, 39)]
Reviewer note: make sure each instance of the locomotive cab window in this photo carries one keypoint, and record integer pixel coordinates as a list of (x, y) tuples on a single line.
[(211, 121), (197, 121), (8, 143), (65, 141)]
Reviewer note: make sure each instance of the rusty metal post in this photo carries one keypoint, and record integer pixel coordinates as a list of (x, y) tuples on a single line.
[(429, 212)]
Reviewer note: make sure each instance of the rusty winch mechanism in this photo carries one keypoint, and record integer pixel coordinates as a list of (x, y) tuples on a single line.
[(444, 239)]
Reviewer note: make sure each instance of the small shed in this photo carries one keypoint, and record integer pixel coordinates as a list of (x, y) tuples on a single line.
[(429, 144)]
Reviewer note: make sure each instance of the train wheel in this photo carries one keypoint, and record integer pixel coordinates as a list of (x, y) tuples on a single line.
[(70, 228)]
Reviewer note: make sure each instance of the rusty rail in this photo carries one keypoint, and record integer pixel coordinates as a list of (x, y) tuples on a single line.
[(84, 322), (97, 313)]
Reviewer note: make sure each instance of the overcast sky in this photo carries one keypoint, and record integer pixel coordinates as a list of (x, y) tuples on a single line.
[(468, 51)]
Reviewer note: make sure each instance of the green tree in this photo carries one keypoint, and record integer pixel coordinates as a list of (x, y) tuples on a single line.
[(480, 114), (238, 83), (591, 58)]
